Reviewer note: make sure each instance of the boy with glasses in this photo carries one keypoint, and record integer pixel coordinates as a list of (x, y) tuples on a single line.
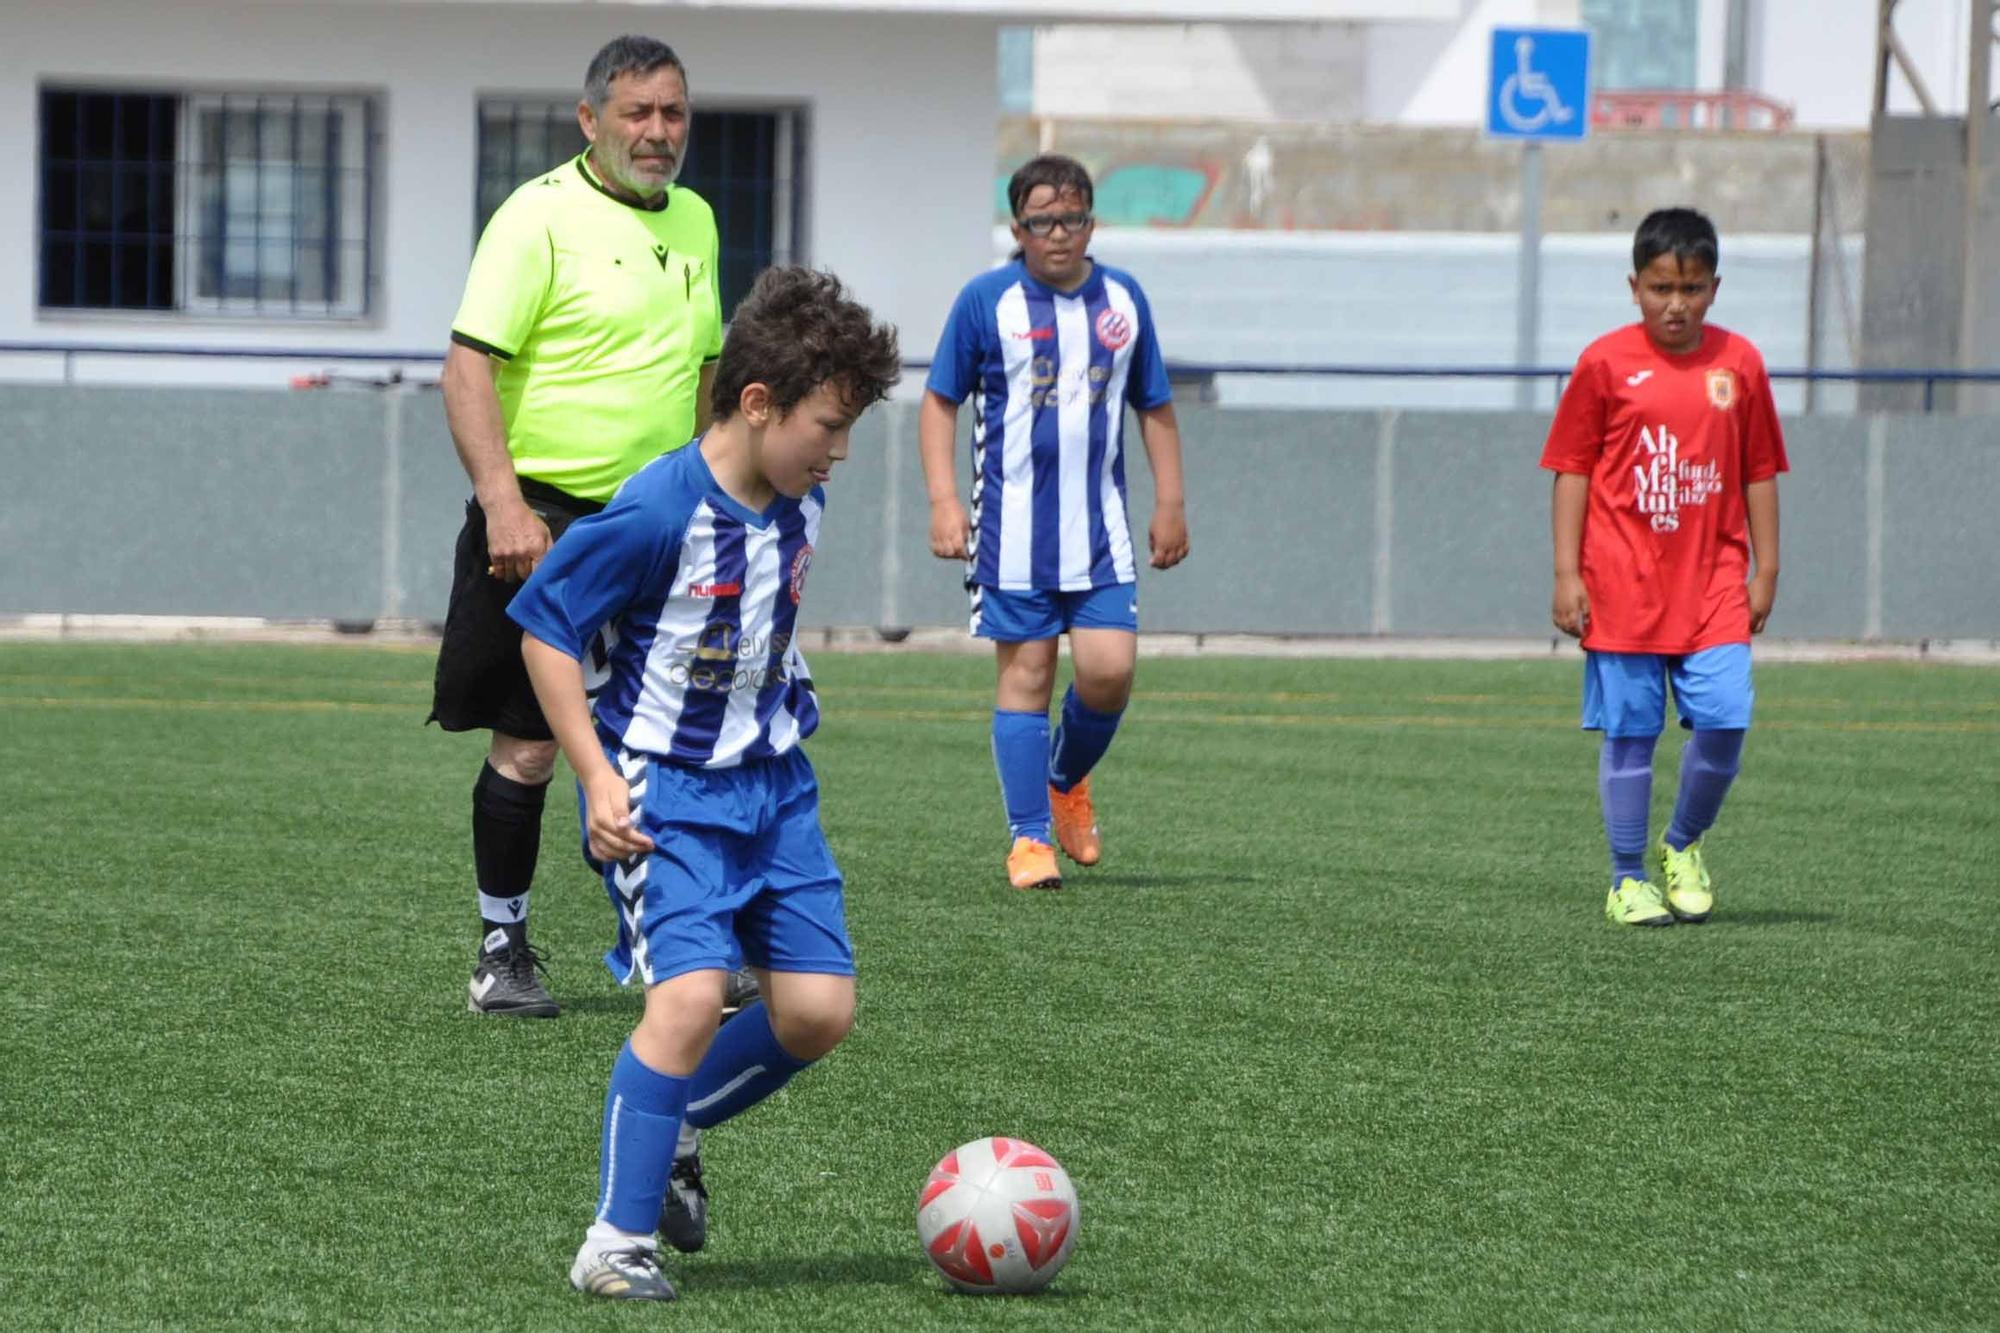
[(1051, 347)]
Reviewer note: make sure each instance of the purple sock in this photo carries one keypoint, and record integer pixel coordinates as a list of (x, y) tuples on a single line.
[(744, 1065), (1625, 789), (1708, 765), (1021, 753), (1081, 740)]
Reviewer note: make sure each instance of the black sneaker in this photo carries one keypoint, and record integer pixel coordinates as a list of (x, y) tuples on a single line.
[(504, 982), (684, 1214), (740, 990)]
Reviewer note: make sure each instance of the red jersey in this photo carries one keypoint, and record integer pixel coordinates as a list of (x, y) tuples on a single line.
[(1668, 442)]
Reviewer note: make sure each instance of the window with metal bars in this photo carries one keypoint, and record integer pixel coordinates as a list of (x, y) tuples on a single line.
[(238, 203), (744, 161)]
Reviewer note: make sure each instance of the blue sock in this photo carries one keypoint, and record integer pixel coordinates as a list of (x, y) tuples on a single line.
[(1625, 789), (744, 1065), (1021, 753), (1081, 740), (1708, 765), (642, 1121)]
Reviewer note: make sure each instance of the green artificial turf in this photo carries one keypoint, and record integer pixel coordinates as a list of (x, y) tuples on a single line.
[(1336, 1036)]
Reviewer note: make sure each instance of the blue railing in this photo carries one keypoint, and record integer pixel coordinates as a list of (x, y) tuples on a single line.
[(1181, 372)]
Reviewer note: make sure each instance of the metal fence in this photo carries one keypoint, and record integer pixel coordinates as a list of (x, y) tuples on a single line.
[(1201, 378), (343, 505)]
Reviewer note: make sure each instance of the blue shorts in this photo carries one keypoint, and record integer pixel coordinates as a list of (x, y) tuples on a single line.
[(1024, 617), (1625, 694), (739, 872)]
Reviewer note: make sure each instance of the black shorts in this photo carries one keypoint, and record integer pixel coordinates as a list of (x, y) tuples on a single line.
[(482, 684)]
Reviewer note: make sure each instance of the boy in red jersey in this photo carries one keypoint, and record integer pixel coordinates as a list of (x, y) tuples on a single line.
[(1666, 450)]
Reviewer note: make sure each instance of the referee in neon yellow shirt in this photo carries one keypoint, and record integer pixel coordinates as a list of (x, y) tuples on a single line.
[(584, 348)]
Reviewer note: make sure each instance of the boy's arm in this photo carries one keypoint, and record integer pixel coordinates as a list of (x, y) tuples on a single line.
[(558, 681), (1168, 535), (937, 441), (1760, 502), (1571, 605)]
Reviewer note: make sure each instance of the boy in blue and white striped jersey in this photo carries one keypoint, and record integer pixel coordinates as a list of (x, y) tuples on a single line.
[(661, 640), (1051, 347)]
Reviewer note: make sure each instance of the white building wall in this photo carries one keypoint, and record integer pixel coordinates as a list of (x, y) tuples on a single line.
[(1201, 70), (1819, 55), (1427, 70), (1435, 74), (899, 174)]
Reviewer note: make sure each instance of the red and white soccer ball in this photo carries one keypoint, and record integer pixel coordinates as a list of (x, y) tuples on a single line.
[(998, 1215)]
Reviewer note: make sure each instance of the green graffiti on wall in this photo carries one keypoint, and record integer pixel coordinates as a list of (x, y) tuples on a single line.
[(1143, 194)]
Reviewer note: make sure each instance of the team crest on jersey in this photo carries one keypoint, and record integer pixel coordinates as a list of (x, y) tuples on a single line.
[(800, 564), (1722, 388), (1113, 330)]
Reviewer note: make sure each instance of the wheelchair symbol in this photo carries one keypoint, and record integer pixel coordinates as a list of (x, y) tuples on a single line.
[(1530, 87)]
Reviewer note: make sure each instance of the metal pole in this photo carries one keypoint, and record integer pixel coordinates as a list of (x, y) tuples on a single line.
[(1885, 14), (1978, 110), (1813, 269), (1528, 301)]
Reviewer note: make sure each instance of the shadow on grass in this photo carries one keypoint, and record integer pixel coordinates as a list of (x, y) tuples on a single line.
[(861, 1270), (1771, 918), (1085, 880), (629, 1003)]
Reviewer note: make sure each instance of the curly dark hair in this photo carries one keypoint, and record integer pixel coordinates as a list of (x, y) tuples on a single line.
[(796, 330)]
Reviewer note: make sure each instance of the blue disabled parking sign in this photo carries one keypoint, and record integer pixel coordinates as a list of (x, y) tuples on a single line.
[(1538, 86)]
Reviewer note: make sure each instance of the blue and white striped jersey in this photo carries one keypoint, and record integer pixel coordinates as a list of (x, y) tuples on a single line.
[(683, 607), (1049, 374)]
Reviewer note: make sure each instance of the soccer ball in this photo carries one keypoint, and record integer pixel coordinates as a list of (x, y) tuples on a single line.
[(998, 1215)]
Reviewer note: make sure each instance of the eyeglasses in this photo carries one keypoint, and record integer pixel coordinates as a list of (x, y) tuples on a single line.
[(1045, 224)]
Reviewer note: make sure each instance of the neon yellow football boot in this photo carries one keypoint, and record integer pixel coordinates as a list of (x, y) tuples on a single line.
[(1689, 896), (1636, 902)]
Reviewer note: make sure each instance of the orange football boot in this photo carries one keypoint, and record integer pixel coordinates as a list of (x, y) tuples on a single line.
[(1032, 865), (1076, 823)]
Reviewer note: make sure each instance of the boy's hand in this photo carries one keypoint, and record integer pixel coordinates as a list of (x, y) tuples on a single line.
[(951, 530), (607, 804), (1763, 592), (1167, 538), (1571, 608)]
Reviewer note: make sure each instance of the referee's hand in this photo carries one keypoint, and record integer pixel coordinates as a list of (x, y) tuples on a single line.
[(516, 540)]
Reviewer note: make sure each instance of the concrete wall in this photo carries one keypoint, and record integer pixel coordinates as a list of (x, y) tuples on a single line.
[(1916, 281), (1209, 173), (905, 250), (344, 505), (1386, 298)]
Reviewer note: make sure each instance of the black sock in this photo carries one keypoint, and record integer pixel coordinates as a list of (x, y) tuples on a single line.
[(506, 843)]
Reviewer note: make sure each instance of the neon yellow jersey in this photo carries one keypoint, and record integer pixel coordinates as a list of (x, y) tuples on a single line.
[(604, 313)]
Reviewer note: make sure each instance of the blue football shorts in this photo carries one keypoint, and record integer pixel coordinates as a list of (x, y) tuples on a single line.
[(739, 872), (1024, 617), (1625, 694)]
